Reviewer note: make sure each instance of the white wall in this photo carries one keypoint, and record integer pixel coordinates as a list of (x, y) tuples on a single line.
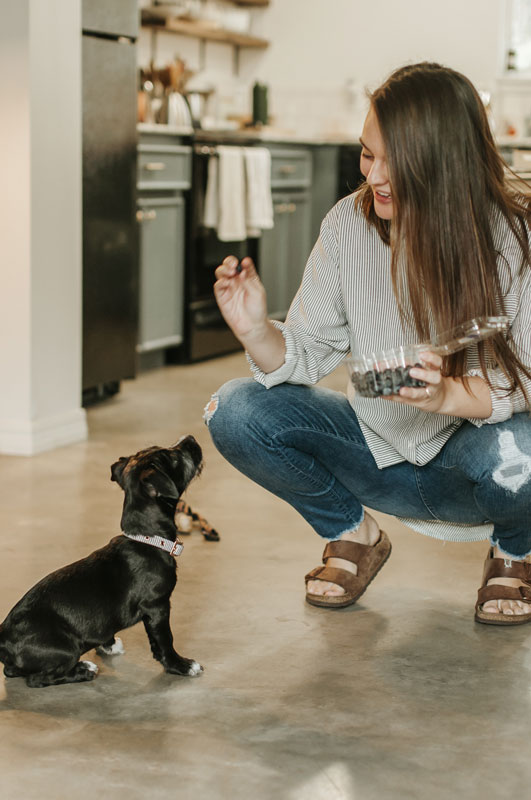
[(324, 48), (40, 225), (333, 40)]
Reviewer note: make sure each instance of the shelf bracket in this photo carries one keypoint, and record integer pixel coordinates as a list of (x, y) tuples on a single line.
[(236, 60), (153, 45), (202, 54)]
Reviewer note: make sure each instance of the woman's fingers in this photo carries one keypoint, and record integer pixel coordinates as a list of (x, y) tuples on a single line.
[(231, 267), (227, 268), (428, 396), (431, 360), (429, 376), (247, 265), (430, 372)]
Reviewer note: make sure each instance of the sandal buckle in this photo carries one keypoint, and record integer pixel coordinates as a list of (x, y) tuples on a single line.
[(508, 563)]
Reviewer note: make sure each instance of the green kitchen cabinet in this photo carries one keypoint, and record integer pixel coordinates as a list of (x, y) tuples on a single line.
[(284, 250), (163, 180), (162, 224)]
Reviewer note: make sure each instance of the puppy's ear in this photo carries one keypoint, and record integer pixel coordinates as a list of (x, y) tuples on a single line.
[(117, 470), (158, 484)]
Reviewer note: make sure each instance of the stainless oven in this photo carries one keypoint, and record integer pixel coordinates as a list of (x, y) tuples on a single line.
[(207, 334)]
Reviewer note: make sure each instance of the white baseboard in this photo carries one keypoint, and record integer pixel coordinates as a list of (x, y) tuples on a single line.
[(29, 437)]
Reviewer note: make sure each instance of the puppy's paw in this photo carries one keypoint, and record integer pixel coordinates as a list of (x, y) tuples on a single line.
[(185, 666), (90, 666), (195, 669), (115, 649)]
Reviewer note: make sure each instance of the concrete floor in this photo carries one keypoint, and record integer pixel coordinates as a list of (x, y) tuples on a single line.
[(400, 696)]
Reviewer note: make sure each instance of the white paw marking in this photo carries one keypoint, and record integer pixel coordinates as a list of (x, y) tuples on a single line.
[(195, 668), (117, 649), (90, 665)]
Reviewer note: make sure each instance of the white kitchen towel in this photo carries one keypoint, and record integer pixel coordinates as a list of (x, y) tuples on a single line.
[(225, 195), (231, 195), (259, 204)]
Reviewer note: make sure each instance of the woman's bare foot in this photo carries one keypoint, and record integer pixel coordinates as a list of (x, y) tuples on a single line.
[(367, 533), (509, 607)]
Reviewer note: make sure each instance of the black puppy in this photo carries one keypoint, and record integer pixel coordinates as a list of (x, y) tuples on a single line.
[(83, 605)]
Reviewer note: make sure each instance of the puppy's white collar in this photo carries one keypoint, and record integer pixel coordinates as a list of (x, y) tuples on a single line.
[(174, 548)]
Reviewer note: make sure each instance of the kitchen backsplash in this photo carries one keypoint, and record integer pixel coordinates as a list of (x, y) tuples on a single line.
[(512, 107)]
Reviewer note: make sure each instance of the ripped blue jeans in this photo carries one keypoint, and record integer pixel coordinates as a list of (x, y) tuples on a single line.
[(304, 444)]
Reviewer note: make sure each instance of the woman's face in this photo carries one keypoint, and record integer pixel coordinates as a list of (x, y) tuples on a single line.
[(373, 165)]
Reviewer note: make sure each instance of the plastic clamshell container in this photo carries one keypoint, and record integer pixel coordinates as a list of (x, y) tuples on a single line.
[(385, 372)]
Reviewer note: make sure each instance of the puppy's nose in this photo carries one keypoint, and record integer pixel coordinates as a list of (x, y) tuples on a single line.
[(190, 445), (189, 439)]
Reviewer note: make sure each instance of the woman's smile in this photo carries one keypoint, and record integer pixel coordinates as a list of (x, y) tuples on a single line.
[(373, 165), (382, 197)]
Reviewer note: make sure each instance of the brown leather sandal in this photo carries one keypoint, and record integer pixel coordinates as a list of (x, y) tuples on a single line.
[(503, 568), (369, 560)]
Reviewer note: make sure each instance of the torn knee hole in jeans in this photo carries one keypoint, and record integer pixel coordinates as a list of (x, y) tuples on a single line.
[(211, 408), (515, 467)]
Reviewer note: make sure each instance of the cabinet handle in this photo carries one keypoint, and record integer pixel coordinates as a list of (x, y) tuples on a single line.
[(292, 208), (143, 215), (287, 169), (281, 208), (155, 166)]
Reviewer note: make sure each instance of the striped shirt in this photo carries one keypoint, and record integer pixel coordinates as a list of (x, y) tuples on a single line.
[(346, 304)]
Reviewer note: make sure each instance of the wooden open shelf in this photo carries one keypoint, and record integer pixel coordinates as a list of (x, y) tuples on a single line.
[(200, 30)]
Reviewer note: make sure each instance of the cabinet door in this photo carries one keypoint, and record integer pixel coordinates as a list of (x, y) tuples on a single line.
[(161, 272), (284, 250), (273, 259), (299, 242)]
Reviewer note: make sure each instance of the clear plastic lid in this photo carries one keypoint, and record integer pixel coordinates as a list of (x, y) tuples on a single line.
[(471, 332)]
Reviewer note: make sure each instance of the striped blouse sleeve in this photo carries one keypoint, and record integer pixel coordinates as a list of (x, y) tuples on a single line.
[(315, 331), (504, 405)]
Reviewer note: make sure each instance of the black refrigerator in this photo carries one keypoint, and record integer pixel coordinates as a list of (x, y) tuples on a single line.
[(110, 237)]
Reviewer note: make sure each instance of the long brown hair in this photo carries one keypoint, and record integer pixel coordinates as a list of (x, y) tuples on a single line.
[(448, 185)]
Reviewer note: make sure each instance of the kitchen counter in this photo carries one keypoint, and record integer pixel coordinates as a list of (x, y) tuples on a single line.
[(245, 135), (177, 130), (514, 141), (271, 134)]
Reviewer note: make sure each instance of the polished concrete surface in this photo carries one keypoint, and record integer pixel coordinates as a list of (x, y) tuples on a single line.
[(402, 696)]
